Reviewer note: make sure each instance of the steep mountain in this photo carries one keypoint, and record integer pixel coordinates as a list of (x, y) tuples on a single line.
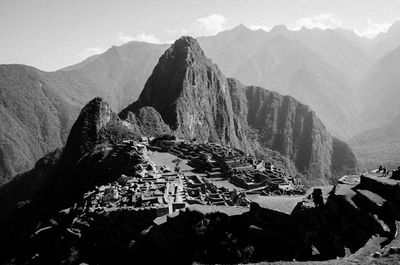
[(192, 96), (38, 108), (319, 68), (196, 100)]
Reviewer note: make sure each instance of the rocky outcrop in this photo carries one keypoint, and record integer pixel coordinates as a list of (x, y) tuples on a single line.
[(196, 100)]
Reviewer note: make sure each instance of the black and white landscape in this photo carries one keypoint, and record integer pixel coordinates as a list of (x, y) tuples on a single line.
[(248, 145)]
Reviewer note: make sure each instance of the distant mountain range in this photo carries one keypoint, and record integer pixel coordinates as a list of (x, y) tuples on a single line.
[(332, 71), (316, 67)]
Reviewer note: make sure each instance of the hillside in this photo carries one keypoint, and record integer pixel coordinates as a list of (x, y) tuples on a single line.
[(378, 142), (35, 118), (378, 88), (378, 146), (318, 68), (387, 42), (38, 108)]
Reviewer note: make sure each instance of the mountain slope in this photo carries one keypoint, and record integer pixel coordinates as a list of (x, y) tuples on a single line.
[(378, 146), (379, 86), (38, 108), (196, 101), (35, 118), (120, 71), (317, 67)]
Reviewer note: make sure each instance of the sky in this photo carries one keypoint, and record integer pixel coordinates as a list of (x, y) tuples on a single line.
[(52, 34)]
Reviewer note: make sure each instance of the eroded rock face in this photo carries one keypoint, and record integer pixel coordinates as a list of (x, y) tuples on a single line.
[(196, 100), (291, 128)]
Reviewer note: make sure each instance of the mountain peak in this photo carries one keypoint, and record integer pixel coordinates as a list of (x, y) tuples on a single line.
[(241, 27), (185, 45), (185, 41), (182, 70), (279, 29)]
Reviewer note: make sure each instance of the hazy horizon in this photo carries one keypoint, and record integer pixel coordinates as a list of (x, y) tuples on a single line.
[(51, 35)]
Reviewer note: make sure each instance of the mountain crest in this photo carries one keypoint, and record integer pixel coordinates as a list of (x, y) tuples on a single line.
[(187, 45)]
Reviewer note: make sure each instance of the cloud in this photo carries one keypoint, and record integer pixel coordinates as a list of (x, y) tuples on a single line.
[(373, 29), (205, 26), (257, 27), (90, 52), (140, 37), (321, 20)]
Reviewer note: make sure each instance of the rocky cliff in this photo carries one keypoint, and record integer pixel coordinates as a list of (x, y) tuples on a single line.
[(196, 100)]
